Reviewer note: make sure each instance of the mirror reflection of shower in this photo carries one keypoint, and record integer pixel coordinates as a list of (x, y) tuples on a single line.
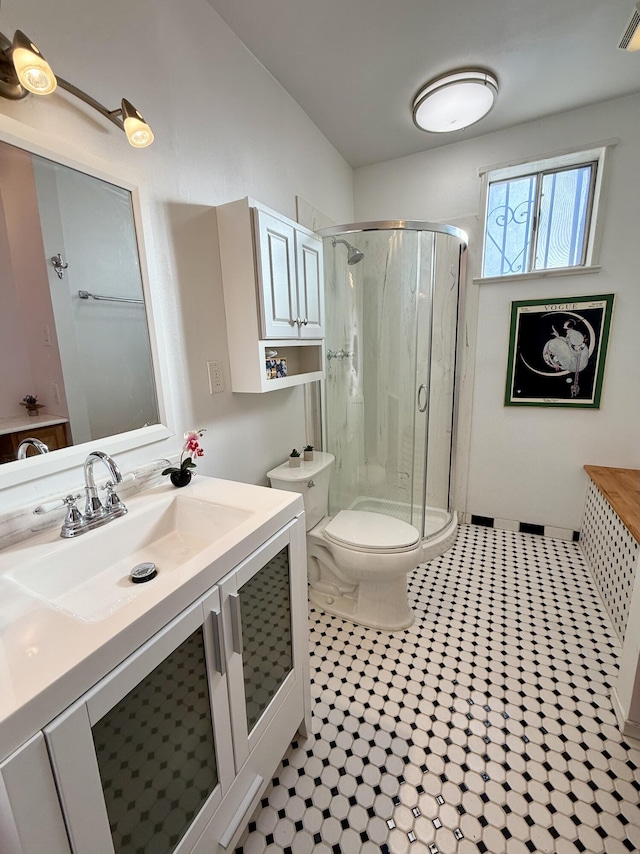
[(354, 255), (389, 390)]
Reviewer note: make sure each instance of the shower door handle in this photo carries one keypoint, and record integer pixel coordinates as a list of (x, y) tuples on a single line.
[(422, 407)]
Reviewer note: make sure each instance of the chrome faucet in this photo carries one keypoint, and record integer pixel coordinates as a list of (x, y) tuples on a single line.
[(94, 508), (40, 447), (95, 513)]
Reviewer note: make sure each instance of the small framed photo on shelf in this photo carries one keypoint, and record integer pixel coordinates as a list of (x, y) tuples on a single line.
[(276, 368), (557, 351)]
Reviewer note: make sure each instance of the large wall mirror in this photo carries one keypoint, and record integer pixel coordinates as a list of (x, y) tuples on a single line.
[(74, 329)]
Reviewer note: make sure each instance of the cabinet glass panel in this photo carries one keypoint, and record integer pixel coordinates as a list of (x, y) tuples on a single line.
[(267, 655), (156, 753)]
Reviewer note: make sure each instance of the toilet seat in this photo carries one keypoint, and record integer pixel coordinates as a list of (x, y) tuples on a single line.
[(363, 531)]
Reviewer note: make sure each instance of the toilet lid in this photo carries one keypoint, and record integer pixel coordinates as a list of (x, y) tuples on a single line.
[(375, 531)]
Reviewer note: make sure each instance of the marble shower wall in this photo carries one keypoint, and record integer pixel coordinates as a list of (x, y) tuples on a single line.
[(390, 332)]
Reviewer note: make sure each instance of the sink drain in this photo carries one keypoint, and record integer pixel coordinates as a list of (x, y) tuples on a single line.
[(143, 572)]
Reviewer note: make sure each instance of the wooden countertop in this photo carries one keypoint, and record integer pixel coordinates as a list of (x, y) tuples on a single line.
[(621, 488)]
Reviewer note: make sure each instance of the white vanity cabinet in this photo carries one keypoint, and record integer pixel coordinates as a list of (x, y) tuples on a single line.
[(171, 751), (31, 820), (274, 296)]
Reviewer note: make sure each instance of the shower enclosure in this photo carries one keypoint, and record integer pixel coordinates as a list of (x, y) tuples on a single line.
[(391, 294)]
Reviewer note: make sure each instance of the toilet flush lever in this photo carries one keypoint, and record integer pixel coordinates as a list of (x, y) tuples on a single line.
[(311, 483)]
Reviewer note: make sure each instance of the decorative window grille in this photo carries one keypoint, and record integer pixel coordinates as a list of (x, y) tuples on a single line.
[(538, 220)]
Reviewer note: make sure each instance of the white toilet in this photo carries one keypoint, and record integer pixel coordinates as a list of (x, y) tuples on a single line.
[(358, 561)]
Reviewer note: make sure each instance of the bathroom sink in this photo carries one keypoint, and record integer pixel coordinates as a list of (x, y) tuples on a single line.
[(88, 576)]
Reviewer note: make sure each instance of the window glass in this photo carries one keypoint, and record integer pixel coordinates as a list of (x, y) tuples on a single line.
[(538, 221), (563, 218), (508, 229)]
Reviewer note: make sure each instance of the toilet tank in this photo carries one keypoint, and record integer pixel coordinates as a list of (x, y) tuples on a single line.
[(311, 480)]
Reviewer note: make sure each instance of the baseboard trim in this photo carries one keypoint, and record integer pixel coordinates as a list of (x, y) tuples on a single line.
[(629, 729), (521, 527)]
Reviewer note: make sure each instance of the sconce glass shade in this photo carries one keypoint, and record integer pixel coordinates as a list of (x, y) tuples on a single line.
[(455, 100), (33, 70), (137, 130)]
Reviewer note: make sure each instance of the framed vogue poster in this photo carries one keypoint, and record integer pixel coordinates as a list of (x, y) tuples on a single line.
[(557, 351)]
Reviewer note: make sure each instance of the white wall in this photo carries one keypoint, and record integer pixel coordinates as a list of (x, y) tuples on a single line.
[(526, 464), (224, 129)]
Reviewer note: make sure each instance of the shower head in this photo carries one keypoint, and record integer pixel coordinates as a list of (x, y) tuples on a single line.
[(354, 255)]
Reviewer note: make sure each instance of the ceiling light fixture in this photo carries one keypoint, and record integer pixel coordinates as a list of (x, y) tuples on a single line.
[(630, 39), (23, 69), (455, 100)]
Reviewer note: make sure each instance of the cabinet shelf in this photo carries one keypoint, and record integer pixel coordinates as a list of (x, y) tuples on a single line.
[(304, 362)]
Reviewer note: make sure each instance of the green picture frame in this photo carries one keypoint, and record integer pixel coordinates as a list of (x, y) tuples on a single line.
[(557, 351)]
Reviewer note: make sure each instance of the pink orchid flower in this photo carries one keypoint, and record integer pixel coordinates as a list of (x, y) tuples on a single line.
[(190, 451)]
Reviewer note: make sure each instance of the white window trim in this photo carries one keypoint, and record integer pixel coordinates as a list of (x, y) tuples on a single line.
[(598, 152)]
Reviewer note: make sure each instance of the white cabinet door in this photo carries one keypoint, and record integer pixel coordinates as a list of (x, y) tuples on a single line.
[(272, 278), (264, 601), (143, 760), (276, 262), (31, 819), (310, 285)]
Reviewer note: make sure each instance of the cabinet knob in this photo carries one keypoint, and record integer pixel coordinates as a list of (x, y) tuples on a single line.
[(305, 321), (298, 321)]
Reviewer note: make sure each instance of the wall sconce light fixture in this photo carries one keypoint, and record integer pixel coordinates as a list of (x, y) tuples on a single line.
[(23, 69)]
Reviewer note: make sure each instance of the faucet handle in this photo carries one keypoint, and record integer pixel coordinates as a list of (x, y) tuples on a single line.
[(49, 506), (126, 478), (112, 504), (74, 520)]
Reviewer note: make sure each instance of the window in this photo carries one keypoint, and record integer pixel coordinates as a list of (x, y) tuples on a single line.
[(541, 216)]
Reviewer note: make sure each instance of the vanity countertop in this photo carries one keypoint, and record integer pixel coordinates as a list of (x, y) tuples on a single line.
[(17, 423), (49, 658), (621, 488)]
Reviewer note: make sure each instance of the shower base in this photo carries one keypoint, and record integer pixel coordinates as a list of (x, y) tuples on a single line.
[(441, 525)]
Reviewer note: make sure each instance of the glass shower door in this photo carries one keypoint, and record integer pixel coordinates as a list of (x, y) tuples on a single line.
[(372, 320)]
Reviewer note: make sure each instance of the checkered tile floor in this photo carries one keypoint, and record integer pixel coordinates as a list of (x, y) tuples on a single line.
[(485, 727)]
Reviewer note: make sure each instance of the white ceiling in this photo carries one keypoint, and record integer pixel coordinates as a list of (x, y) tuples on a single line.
[(355, 65)]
